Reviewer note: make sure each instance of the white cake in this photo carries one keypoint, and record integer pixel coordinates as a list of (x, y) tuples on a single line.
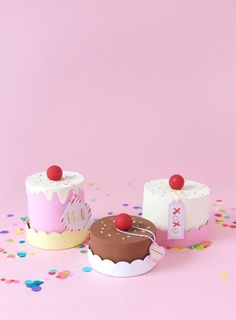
[(158, 196)]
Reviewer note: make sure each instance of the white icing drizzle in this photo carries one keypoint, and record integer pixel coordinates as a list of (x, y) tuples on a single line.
[(70, 181), (191, 189)]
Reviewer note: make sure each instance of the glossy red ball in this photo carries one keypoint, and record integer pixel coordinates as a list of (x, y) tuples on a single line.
[(123, 221), (176, 182), (54, 173)]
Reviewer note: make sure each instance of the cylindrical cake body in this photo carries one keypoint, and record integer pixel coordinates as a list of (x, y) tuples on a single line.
[(158, 196), (47, 199), (109, 243)]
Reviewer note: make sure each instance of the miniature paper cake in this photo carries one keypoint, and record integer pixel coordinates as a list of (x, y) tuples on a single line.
[(58, 215), (123, 246), (179, 209)]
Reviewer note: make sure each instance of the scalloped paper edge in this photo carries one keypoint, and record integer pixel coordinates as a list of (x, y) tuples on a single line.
[(122, 268), (54, 240)]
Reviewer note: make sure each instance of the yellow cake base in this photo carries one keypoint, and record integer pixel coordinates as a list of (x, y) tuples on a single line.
[(54, 240)]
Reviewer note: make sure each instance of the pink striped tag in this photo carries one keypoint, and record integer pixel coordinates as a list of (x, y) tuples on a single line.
[(76, 214), (176, 220)]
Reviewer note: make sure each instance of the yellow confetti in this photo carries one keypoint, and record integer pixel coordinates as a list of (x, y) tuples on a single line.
[(179, 249), (224, 275), (19, 231)]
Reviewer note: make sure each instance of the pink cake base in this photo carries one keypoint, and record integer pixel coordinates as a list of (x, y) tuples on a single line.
[(191, 238), (45, 215)]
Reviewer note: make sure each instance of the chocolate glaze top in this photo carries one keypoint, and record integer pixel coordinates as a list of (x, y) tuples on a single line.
[(105, 230)]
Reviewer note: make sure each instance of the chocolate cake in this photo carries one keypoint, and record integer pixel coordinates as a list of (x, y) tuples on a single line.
[(108, 242)]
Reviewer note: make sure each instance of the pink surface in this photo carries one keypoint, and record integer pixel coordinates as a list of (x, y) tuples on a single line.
[(191, 237), (45, 215), (123, 92)]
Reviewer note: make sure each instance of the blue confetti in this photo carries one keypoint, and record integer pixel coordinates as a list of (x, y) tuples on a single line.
[(22, 254), (87, 269), (33, 283)]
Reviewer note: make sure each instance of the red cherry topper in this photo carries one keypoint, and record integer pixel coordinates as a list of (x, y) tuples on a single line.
[(123, 221), (54, 173), (176, 182)]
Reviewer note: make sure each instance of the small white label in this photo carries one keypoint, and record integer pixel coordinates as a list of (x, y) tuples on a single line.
[(76, 215), (156, 251), (176, 220)]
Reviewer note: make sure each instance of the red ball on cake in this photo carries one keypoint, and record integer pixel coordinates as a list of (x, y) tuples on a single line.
[(54, 173), (123, 221), (176, 182)]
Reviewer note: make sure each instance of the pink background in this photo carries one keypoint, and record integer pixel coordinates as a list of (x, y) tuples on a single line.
[(122, 91)]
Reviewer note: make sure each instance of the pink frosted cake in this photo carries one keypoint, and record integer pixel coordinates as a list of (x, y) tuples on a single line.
[(58, 215), (179, 209)]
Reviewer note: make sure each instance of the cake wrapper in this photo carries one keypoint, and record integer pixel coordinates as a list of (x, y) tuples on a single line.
[(54, 240), (122, 268)]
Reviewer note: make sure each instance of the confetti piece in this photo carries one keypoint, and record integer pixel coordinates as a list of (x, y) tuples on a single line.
[(125, 204), (206, 244), (226, 217), (109, 213), (137, 207), (85, 251), (178, 249), (224, 275), (9, 281), (87, 269), (4, 231), (9, 215), (24, 219), (10, 256), (19, 231), (22, 254), (34, 285), (63, 274), (218, 200), (22, 241), (10, 240), (218, 215), (52, 271), (36, 289)]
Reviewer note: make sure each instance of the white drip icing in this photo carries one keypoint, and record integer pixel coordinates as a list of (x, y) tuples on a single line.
[(39, 183)]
